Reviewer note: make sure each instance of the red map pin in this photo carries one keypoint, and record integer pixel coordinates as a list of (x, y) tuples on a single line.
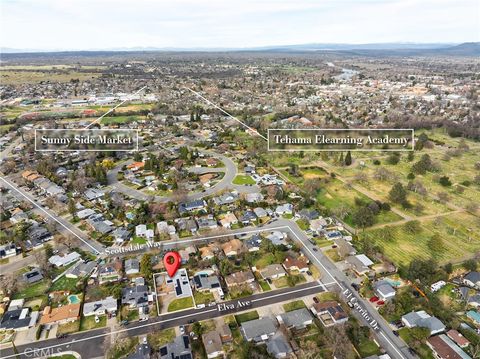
[(172, 260)]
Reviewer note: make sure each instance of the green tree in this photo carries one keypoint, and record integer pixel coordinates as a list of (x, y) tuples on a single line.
[(470, 265), (348, 159), (435, 243), (146, 266), (363, 217), (398, 194)]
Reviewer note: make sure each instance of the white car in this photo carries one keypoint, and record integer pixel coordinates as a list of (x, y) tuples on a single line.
[(97, 319)]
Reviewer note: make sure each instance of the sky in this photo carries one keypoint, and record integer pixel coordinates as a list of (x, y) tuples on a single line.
[(115, 24)]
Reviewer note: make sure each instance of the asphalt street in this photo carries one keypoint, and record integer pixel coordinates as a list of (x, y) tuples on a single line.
[(91, 344)]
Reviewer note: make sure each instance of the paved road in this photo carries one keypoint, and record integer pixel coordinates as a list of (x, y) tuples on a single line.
[(91, 344), (230, 170), (63, 226)]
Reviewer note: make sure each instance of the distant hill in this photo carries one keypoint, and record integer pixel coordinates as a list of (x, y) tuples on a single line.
[(379, 49)]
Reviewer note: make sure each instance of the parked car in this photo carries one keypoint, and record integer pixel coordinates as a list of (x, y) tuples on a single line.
[(62, 336), (380, 302), (373, 299), (182, 329), (315, 300), (97, 319), (315, 249)]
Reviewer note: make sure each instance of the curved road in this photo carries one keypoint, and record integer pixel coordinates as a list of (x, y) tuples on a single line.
[(230, 171)]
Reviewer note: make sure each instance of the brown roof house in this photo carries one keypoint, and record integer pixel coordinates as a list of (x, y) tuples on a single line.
[(60, 315)]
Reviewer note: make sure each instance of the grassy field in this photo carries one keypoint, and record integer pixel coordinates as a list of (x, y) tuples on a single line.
[(243, 180), (69, 284), (88, 323), (32, 290), (157, 339), (179, 304), (13, 77), (120, 119), (460, 233)]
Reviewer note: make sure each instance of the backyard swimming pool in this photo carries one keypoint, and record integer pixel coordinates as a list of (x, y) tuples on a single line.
[(73, 299)]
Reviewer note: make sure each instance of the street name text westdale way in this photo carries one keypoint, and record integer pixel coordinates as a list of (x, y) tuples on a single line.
[(87, 140), (347, 140)]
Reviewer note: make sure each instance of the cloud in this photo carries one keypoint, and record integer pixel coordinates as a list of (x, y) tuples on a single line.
[(103, 24)]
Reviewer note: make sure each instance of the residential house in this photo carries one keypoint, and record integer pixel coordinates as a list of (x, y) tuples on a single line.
[(100, 307), (344, 248), (384, 290), (278, 346), (143, 351), (458, 338), (232, 248), (179, 348), (186, 252), (204, 282), (179, 284), (284, 209), (260, 212), (144, 232), (63, 261), (330, 313), (85, 213), (132, 266), (121, 234), (80, 269), (253, 243), (109, 273), (254, 197), (247, 217), (296, 319), (296, 263), (208, 252), (359, 265), (213, 344), (317, 225), (423, 320), (191, 206), (225, 333), (8, 250), (32, 276), (239, 278), (207, 223), (472, 280), (164, 227), (228, 220), (135, 297), (273, 271), (258, 330), (18, 319), (226, 198), (444, 348), (277, 238), (93, 194), (308, 214), (186, 224), (136, 166), (60, 315)]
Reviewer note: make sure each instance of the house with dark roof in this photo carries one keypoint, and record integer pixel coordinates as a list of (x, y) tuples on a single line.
[(472, 279), (100, 307), (132, 266), (32, 276), (329, 313), (18, 319), (194, 205), (135, 297), (179, 348)]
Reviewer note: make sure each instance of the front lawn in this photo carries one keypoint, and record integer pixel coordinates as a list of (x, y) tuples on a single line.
[(179, 304), (67, 328), (281, 282), (203, 297), (296, 304), (138, 240), (87, 323), (245, 317), (264, 285), (158, 339), (243, 180)]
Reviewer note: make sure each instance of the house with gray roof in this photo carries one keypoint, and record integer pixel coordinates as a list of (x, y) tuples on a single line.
[(296, 319), (278, 346), (423, 320), (32, 276), (80, 269), (18, 319), (384, 290), (100, 307), (472, 279), (258, 330), (132, 266), (273, 271)]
